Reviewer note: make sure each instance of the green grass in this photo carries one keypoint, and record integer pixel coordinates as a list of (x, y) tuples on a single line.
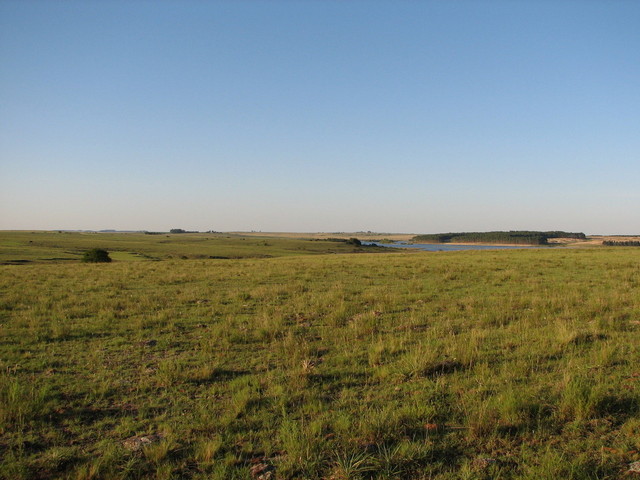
[(477, 365), (54, 247)]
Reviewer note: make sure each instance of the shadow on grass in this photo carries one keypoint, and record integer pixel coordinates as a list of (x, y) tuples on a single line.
[(586, 338), (618, 406), (220, 375), (347, 379), (445, 367), (16, 262), (87, 415)]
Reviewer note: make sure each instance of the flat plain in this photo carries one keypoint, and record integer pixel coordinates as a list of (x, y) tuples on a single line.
[(222, 356)]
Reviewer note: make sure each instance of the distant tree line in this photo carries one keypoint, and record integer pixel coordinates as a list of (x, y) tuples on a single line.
[(519, 237), (350, 241), (627, 243), (177, 230)]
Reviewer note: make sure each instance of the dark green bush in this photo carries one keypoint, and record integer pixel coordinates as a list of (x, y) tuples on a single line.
[(96, 255), (627, 243)]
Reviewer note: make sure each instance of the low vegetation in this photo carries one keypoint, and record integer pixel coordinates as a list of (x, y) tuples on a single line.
[(96, 255), (621, 243), (478, 365), (55, 247), (512, 237)]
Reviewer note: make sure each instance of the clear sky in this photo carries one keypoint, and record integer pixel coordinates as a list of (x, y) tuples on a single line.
[(390, 116)]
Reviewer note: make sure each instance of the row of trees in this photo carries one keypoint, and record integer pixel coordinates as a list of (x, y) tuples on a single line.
[(350, 241), (626, 243), (178, 230), (520, 237)]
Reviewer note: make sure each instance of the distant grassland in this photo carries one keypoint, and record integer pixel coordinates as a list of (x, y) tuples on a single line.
[(479, 365), (364, 236), (27, 247)]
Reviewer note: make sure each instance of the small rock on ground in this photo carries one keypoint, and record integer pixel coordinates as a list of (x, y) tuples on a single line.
[(136, 442), (482, 463), (262, 471)]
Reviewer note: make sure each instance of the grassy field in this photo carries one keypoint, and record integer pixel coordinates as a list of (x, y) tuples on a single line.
[(55, 247), (364, 236), (451, 365)]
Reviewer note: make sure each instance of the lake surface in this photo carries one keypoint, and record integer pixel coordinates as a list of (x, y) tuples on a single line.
[(446, 247)]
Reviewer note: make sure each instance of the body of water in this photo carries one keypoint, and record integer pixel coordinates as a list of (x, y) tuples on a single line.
[(446, 247)]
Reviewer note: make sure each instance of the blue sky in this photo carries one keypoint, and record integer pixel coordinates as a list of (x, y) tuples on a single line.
[(390, 116)]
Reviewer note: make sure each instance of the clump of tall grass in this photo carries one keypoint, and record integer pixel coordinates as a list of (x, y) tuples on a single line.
[(21, 401)]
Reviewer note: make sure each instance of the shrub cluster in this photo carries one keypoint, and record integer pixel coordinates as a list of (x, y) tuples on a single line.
[(627, 243), (350, 241), (96, 255)]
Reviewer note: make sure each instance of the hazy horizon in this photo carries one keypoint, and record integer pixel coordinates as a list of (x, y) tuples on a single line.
[(284, 116), (267, 232)]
